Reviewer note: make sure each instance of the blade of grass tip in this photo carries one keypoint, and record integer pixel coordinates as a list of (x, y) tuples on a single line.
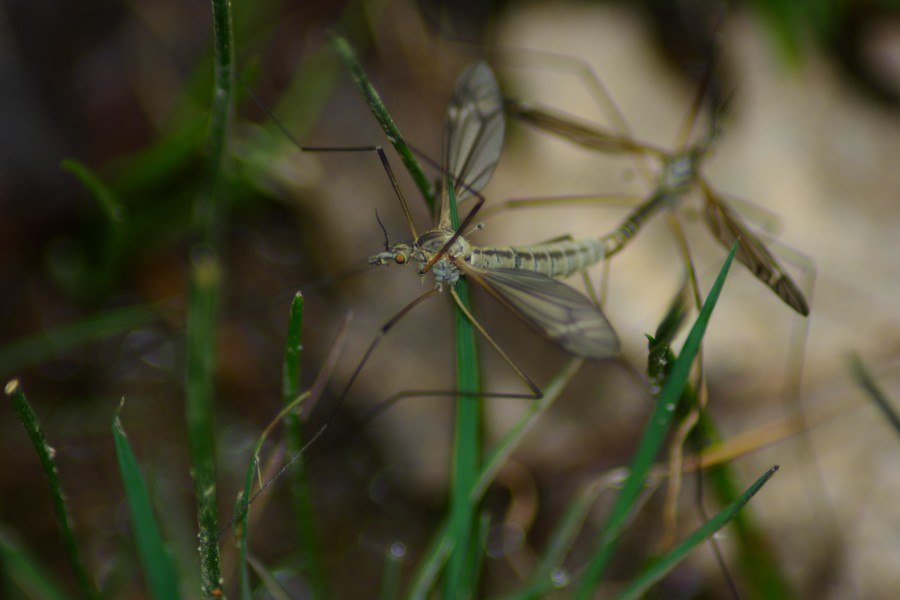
[(345, 51), (38, 348), (202, 312), (45, 454), (113, 237), (19, 570), (459, 581), (867, 383), (653, 438), (290, 409), (112, 209), (301, 500), (665, 564), (159, 572), (764, 573)]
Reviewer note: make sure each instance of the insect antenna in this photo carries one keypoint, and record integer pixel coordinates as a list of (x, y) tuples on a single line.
[(387, 243)]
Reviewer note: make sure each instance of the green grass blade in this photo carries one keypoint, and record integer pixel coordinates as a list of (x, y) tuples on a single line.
[(202, 312), (460, 577), (496, 458), (19, 570), (270, 582), (548, 574), (390, 580), (867, 383), (209, 206), (439, 549), (652, 440), (435, 558), (159, 572), (242, 514), (348, 57), (204, 302), (45, 453), (39, 348), (665, 564), (301, 499), (106, 198), (763, 573)]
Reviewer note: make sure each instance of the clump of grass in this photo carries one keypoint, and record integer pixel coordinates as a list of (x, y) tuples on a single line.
[(455, 560)]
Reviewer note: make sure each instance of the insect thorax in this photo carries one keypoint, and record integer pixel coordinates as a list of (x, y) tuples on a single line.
[(430, 243), (423, 250), (680, 171)]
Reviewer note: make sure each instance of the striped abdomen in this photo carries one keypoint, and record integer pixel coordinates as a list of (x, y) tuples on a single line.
[(555, 259)]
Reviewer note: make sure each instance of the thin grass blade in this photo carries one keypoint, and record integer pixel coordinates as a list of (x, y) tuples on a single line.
[(156, 562), (442, 543), (301, 500), (45, 453), (390, 580), (664, 565), (270, 582), (201, 330), (348, 56), (21, 571), (763, 573), (654, 436), (39, 348)]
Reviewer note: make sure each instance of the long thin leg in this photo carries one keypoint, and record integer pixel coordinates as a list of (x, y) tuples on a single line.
[(538, 394), (322, 149)]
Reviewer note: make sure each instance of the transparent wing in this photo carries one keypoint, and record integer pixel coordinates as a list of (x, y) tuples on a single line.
[(727, 226), (473, 133), (555, 309)]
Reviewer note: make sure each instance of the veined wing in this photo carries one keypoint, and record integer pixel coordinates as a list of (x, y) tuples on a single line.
[(473, 133), (556, 310), (727, 226)]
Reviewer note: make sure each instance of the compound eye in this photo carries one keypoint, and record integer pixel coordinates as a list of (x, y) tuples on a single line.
[(400, 259)]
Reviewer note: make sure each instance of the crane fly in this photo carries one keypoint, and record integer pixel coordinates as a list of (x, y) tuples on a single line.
[(523, 278), (679, 176)]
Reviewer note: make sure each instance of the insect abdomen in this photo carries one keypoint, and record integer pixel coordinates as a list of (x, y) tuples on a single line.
[(557, 259)]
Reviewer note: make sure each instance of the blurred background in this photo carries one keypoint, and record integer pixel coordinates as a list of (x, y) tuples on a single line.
[(808, 141)]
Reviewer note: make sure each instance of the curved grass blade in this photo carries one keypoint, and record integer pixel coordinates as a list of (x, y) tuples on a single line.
[(443, 542), (21, 571), (652, 440), (44, 346), (156, 562), (668, 562)]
